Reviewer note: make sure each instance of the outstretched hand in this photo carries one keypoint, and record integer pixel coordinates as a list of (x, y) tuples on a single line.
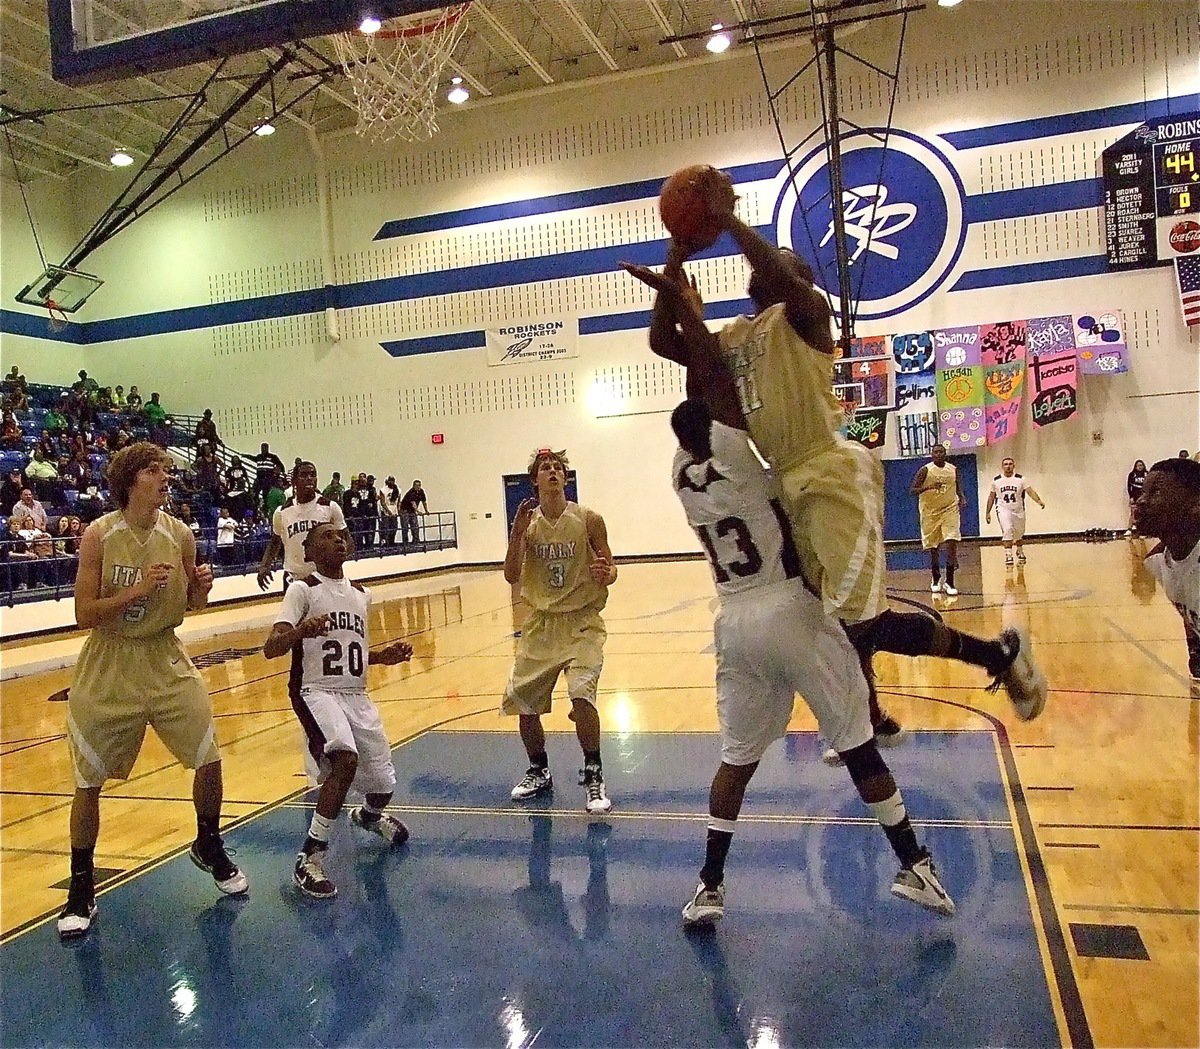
[(390, 655), (523, 516)]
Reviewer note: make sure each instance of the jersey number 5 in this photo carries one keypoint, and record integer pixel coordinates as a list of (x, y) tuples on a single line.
[(751, 561), (332, 665)]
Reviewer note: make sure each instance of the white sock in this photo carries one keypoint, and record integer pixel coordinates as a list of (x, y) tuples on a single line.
[(320, 827)]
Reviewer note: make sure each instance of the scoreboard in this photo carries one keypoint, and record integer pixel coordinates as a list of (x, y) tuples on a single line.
[(1152, 193)]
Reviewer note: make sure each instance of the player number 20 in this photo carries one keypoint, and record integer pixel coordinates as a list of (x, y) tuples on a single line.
[(333, 666)]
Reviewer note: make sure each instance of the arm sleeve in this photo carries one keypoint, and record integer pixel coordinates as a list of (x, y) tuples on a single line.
[(295, 604), (336, 517)]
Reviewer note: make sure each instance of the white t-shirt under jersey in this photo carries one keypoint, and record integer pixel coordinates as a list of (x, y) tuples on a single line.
[(1010, 493), (730, 504), (1180, 582), (292, 521), (335, 661)]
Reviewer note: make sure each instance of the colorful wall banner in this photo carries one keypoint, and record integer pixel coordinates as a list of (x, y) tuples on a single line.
[(916, 393), (868, 428), (916, 433), (956, 347), (1049, 335), (1053, 386), (912, 352), (1002, 343), (1100, 343), (1002, 385)]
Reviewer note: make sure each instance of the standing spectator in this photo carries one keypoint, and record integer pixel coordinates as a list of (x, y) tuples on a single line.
[(1135, 481), (266, 465), (42, 474), (87, 385), (208, 478), (389, 511), (12, 435), (156, 420), (27, 512), (134, 401), (274, 497), (226, 538), (206, 432), (360, 511), (411, 504), (371, 509), (10, 490), (237, 487), (350, 505), (335, 491)]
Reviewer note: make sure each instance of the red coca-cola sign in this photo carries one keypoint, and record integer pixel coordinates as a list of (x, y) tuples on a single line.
[(1185, 237)]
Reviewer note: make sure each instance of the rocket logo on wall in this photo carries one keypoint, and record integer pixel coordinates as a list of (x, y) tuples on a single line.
[(903, 209)]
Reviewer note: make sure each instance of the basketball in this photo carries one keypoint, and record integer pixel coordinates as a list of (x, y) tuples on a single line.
[(683, 211)]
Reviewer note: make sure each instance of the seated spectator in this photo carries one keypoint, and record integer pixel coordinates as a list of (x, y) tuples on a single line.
[(10, 490), (90, 503), (18, 558), (203, 553), (11, 435), (226, 538), (56, 420), (206, 432), (66, 551), (14, 380), (18, 400), (134, 401), (27, 512), (104, 399), (335, 490), (237, 487), (120, 438), (118, 399), (154, 413), (41, 474)]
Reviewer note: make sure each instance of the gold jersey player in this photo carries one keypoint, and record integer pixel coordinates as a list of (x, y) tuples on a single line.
[(558, 551), (940, 501), (780, 363), (323, 624), (137, 577)]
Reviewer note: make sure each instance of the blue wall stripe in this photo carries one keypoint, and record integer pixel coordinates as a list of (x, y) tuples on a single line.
[(589, 198), (36, 326), (1031, 272), (1066, 123), (1034, 200), (459, 340)]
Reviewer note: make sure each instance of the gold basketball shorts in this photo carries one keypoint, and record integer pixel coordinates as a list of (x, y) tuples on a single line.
[(570, 643)]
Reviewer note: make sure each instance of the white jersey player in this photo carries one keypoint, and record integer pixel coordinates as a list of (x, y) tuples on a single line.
[(291, 523), (774, 639), (1007, 496), (323, 624), (1169, 508)]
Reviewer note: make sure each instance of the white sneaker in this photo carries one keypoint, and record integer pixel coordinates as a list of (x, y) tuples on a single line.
[(76, 917), (830, 756), (387, 827), (310, 878), (935, 587), (919, 884), (706, 907), (1020, 557), (535, 781), (1023, 679), (595, 800), (949, 591), (1008, 560)]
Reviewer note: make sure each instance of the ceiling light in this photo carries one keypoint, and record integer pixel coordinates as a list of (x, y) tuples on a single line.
[(264, 129), (719, 41), (370, 24), (949, 3), (457, 94), (120, 159)]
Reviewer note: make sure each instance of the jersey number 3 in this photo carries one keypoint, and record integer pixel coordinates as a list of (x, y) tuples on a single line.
[(751, 560), (333, 666)]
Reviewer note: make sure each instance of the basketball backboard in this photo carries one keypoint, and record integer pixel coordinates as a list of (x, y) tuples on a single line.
[(96, 40), (64, 289)]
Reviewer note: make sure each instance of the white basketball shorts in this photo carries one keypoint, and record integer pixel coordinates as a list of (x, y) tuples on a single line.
[(1012, 526), (347, 721), (772, 642)]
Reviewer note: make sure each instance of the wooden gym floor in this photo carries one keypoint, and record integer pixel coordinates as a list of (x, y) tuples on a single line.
[(1106, 779)]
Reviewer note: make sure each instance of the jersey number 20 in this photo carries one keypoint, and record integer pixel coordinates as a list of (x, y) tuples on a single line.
[(332, 665)]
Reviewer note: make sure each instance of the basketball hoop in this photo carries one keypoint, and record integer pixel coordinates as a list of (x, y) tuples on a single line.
[(57, 319), (396, 72)]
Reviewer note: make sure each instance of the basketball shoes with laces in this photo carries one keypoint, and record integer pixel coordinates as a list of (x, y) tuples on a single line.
[(310, 876), (76, 917), (706, 907), (596, 801), (1022, 678), (387, 827), (208, 853), (536, 781), (919, 884)]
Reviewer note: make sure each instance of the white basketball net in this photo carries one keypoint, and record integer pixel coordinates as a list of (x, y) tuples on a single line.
[(396, 73)]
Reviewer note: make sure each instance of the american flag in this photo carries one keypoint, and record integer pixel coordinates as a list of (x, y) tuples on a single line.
[(1187, 273)]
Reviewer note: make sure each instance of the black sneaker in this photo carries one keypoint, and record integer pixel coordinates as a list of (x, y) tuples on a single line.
[(310, 876), (889, 732), (76, 917), (209, 855), (387, 827)]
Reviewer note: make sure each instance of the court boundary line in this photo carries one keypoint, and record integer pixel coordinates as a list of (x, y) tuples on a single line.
[(1064, 980)]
